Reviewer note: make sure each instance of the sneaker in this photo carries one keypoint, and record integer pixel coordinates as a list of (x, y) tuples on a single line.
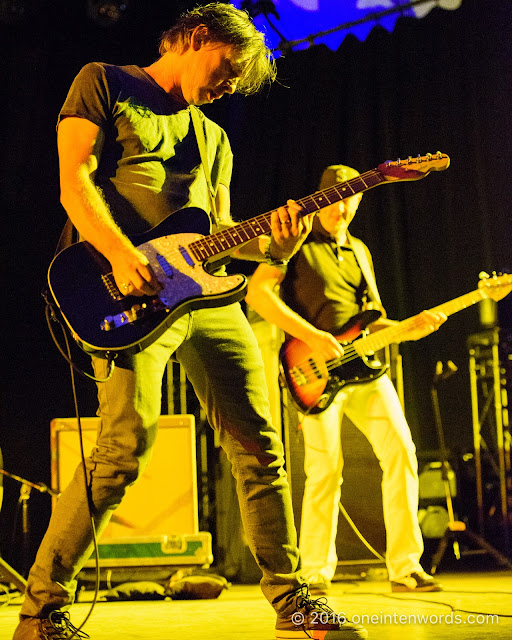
[(318, 585), (314, 619), (417, 581), (56, 626)]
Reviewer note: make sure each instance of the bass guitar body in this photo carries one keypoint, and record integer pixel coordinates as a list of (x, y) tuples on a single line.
[(313, 382)]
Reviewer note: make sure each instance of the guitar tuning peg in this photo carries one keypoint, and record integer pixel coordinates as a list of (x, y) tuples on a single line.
[(429, 156), (419, 158), (409, 160), (483, 275), (398, 161), (439, 155)]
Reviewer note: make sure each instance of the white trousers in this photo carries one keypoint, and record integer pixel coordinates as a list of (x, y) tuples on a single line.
[(374, 408)]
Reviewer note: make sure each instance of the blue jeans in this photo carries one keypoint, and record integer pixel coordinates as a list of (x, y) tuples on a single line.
[(221, 358)]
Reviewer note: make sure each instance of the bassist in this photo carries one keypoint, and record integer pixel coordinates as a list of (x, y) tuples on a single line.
[(327, 282)]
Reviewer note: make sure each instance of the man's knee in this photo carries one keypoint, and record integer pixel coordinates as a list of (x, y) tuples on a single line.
[(114, 471)]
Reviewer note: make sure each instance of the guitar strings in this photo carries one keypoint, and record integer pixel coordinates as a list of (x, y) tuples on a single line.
[(349, 355), (259, 225)]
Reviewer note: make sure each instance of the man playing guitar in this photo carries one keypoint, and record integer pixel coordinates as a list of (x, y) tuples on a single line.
[(328, 282)]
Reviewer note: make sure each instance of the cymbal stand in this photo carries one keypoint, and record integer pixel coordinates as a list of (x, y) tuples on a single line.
[(455, 528)]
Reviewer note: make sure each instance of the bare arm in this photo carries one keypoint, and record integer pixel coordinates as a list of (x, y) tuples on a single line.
[(423, 324), (79, 140), (418, 326), (263, 297)]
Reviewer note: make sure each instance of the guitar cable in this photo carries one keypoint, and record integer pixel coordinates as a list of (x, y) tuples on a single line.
[(77, 632), (52, 314), (354, 528), (344, 512)]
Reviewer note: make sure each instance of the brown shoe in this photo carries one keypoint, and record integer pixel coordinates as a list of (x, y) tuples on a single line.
[(314, 619), (416, 582), (56, 627)]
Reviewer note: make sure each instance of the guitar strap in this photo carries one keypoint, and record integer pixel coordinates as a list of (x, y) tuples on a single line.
[(68, 236), (364, 259), (201, 143)]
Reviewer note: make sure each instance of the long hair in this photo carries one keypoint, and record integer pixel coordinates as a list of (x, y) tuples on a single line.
[(230, 26)]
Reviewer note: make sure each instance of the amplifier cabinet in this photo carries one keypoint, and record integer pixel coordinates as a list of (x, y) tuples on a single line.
[(163, 501)]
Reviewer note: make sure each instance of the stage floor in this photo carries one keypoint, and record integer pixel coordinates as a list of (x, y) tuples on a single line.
[(463, 610)]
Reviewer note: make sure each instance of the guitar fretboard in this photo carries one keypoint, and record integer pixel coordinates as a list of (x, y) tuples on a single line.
[(229, 239), (380, 339)]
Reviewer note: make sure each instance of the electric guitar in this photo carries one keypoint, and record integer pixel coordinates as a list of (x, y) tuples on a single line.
[(182, 255), (314, 382)]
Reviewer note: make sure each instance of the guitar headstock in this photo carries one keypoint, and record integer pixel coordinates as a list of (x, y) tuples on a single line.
[(496, 286), (414, 168)]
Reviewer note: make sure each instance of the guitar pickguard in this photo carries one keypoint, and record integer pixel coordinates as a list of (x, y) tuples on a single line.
[(313, 382), (81, 283), (314, 393)]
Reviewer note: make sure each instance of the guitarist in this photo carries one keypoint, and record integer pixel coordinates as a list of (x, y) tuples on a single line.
[(330, 280), (129, 157)]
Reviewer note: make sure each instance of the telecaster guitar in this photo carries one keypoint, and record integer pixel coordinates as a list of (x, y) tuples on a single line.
[(181, 253), (313, 382)]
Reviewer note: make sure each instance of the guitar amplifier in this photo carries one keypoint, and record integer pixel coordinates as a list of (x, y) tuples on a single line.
[(164, 499)]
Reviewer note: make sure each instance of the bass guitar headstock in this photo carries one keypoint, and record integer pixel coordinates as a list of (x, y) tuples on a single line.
[(414, 168), (496, 286)]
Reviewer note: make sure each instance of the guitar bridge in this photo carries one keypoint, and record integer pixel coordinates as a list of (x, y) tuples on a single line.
[(298, 376), (111, 286), (134, 313)]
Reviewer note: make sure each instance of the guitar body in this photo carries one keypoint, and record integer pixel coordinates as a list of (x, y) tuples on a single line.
[(182, 253), (102, 319), (313, 383)]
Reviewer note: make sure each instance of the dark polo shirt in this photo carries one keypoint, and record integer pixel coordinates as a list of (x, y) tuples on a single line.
[(324, 283)]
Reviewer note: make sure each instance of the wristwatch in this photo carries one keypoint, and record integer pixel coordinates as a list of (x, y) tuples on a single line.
[(273, 261)]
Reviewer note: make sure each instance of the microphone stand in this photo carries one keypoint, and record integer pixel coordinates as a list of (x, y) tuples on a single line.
[(25, 490), (6, 571), (455, 528)]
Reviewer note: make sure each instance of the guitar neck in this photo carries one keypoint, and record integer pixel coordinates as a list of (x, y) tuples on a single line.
[(231, 238), (395, 334)]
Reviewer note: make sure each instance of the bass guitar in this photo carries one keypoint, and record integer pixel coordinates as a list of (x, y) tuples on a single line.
[(182, 255), (314, 382)]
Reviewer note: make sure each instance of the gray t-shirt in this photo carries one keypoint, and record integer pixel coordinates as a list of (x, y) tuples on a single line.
[(148, 162)]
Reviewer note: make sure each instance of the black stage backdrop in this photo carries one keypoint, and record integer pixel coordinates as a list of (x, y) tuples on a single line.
[(440, 83)]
